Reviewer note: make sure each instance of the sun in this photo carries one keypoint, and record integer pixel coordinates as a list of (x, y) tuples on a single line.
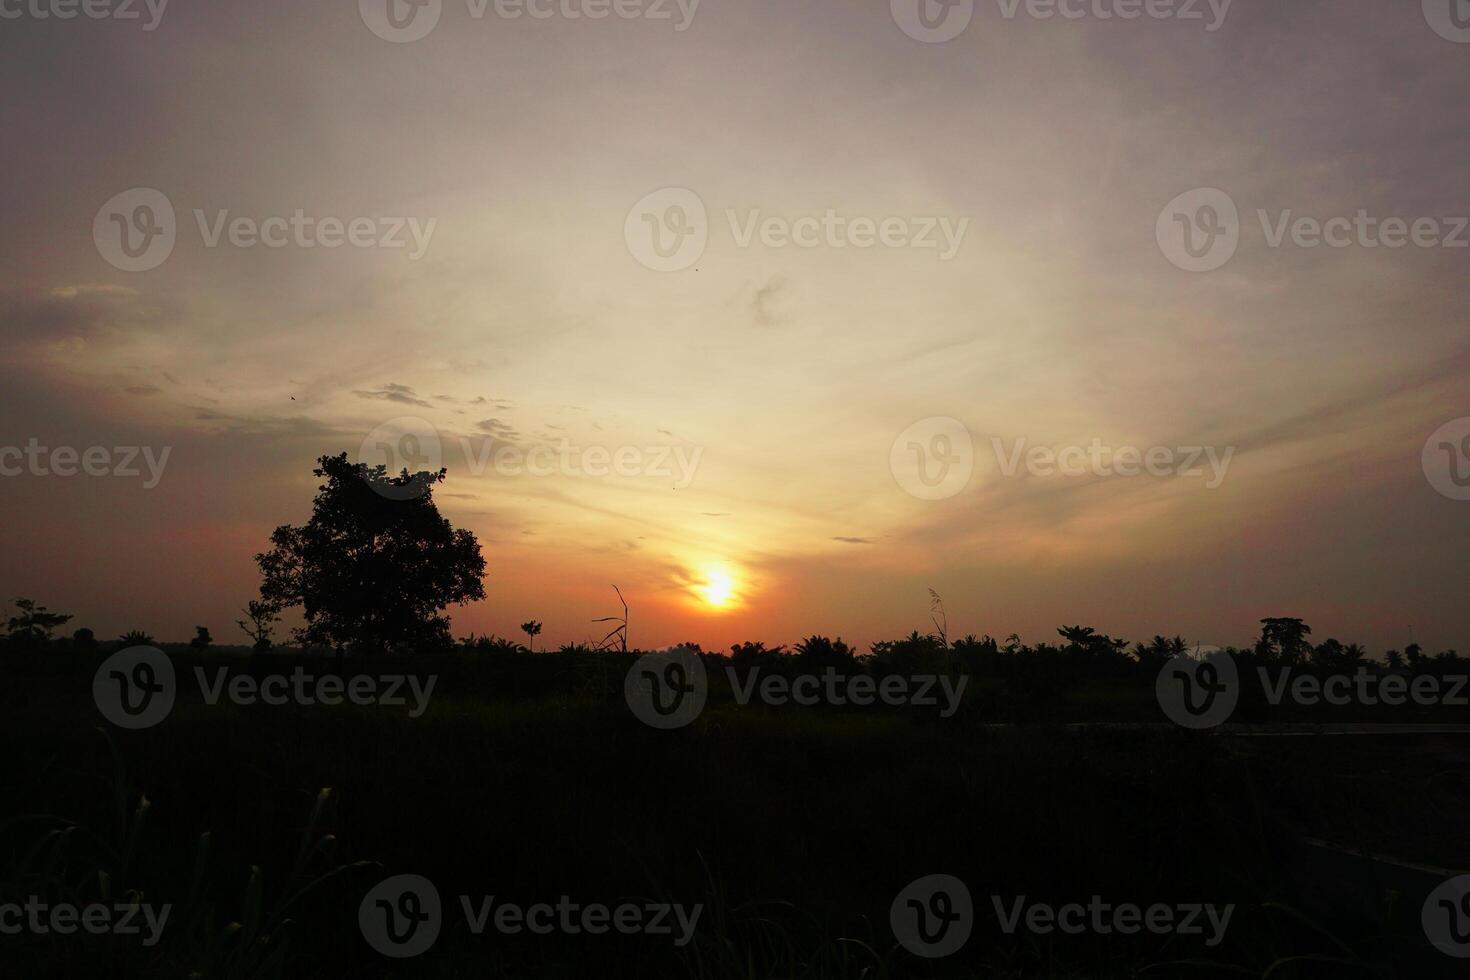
[(717, 589)]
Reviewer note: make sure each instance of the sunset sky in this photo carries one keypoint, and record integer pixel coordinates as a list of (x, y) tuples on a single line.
[(783, 374)]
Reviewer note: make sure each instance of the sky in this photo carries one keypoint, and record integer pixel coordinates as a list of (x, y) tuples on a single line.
[(775, 315)]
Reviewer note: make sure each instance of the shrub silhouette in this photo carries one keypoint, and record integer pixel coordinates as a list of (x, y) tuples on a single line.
[(819, 653), (34, 625), (376, 564)]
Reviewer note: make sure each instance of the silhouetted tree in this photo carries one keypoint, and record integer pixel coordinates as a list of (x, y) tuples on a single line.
[(376, 564), (1283, 638), (1414, 654), (1158, 651), (136, 638), (84, 639), (753, 654), (531, 629), (34, 625), (819, 653), (260, 618), (202, 639)]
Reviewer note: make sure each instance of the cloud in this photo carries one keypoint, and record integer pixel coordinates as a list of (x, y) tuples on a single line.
[(43, 316), (394, 393), (764, 298), (497, 428), (847, 540)]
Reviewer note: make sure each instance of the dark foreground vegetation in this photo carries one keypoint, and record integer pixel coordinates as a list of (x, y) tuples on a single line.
[(528, 778)]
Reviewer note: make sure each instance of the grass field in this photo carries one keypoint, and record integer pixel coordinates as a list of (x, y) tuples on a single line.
[(528, 779)]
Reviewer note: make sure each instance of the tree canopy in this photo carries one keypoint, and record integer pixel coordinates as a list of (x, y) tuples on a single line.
[(376, 564)]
